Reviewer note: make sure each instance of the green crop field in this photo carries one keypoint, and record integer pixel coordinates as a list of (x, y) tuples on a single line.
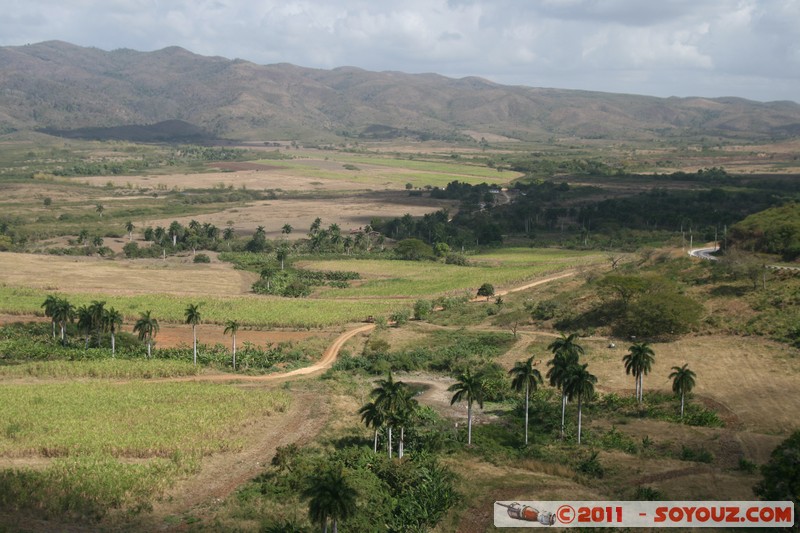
[(249, 311), (101, 369), (503, 269), (116, 445), (394, 171), (136, 419)]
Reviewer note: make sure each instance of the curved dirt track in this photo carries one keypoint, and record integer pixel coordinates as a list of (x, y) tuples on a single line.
[(327, 360)]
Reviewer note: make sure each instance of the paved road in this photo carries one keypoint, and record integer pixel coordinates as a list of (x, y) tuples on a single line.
[(704, 253)]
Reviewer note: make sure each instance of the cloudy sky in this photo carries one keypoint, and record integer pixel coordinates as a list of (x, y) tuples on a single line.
[(747, 48)]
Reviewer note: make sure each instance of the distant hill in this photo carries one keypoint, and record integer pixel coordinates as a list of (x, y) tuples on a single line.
[(57, 86)]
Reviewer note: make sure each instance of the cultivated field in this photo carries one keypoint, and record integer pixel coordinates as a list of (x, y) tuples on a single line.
[(164, 444)]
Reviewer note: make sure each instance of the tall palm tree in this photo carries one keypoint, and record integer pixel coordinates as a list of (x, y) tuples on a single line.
[(559, 370), (389, 396), (638, 361), (50, 305), (192, 314), (683, 381), (286, 229), (85, 323), (113, 320), (232, 326), (175, 229), (227, 235), (579, 383), (97, 322), (468, 387), (373, 415), (62, 313), (524, 376), (406, 409), (331, 497), (129, 227), (566, 344), (281, 253), (147, 328)]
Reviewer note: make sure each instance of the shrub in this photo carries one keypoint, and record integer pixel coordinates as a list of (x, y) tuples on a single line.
[(648, 494), (591, 466), (456, 259), (487, 290), (413, 250), (422, 308), (201, 258)]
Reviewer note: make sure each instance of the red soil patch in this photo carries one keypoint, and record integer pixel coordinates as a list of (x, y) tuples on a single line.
[(170, 336)]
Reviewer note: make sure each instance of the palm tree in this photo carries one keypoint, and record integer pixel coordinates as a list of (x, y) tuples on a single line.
[(468, 387), (373, 415), (50, 305), (315, 226), (85, 317), (580, 383), (391, 397), (566, 344), (232, 326), (99, 208), (406, 409), (524, 376), (227, 235), (129, 227), (281, 254), (683, 381), (113, 320), (331, 497), (286, 229), (62, 313), (147, 328), (97, 322), (638, 361), (565, 354), (192, 314), (175, 229)]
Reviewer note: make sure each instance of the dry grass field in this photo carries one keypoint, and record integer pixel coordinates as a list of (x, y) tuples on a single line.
[(177, 276), (349, 212)]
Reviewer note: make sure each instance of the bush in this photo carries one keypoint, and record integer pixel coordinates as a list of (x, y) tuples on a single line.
[(201, 258), (487, 290), (422, 308), (782, 474), (413, 250), (456, 259), (591, 466), (400, 317)]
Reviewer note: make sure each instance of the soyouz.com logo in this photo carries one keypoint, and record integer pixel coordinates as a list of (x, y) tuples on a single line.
[(643, 514)]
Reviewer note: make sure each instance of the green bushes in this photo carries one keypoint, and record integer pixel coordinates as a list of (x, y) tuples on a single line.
[(298, 283), (448, 351), (410, 495)]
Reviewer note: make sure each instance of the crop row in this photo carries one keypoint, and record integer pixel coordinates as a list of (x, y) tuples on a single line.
[(250, 311)]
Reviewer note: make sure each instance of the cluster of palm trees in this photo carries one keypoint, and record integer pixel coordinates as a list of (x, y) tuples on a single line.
[(638, 362), (95, 319), (392, 406), (570, 376)]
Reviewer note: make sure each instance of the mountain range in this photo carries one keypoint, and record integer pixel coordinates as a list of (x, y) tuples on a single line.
[(59, 88)]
